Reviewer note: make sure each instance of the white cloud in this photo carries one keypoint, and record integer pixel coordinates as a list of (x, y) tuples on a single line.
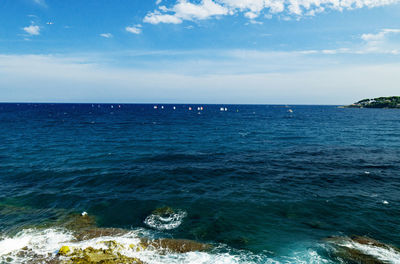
[(137, 29), (156, 18), (106, 35), (383, 42), (380, 42), (185, 10), (380, 36), (32, 30), (158, 2), (40, 2), (206, 9), (250, 15)]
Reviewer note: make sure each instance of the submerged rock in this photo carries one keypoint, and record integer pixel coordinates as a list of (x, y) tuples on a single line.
[(163, 211), (84, 227), (174, 245), (363, 250), (98, 232)]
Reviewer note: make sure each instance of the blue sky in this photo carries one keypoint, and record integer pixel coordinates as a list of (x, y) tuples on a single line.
[(199, 51)]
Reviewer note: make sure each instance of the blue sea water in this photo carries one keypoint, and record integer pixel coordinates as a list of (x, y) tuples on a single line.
[(261, 183)]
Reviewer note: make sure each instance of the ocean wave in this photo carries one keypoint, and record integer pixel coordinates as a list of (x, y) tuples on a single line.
[(57, 245)]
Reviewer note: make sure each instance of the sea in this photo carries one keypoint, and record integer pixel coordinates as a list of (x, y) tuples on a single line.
[(259, 183)]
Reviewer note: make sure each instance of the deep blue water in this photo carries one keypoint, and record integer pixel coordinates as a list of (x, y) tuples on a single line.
[(257, 178)]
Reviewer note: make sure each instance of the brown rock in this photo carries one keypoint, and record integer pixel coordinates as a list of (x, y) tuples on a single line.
[(175, 245)]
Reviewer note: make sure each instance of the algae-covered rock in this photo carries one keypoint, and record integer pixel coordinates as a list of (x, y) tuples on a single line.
[(162, 211), (363, 250), (174, 245), (91, 255)]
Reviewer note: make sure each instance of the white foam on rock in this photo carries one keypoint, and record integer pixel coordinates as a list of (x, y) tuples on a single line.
[(40, 242), (387, 255), (160, 222)]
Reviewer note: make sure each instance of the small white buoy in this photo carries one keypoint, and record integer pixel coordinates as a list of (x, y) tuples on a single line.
[(112, 106), (84, 214), (222, 109), (290, 111), (155, 107), (174, 107), (162, 107), (385, 202), (226, 109), (190, 109), (366, 172)]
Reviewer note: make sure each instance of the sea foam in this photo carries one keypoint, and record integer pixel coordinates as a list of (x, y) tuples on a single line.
[(165, 222)]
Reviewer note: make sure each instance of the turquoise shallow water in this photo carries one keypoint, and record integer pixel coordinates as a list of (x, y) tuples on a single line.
[(261, 183)]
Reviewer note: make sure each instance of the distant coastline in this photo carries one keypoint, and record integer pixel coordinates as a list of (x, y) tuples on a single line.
[(379, 102)]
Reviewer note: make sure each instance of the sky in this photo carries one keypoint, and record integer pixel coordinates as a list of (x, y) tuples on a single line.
[(199, 51)]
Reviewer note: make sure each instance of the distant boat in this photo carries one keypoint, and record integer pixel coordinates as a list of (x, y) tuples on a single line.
[(290, 111), (155, 107)]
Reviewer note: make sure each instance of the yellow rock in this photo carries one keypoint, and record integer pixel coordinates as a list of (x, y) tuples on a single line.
[(64, 250)]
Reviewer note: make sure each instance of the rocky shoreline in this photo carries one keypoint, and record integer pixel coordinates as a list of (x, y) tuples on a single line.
[(91, 244), (86, 243), (379, 102)]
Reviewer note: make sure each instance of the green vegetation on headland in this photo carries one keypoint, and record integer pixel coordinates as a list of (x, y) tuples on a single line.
[(380, 102)]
